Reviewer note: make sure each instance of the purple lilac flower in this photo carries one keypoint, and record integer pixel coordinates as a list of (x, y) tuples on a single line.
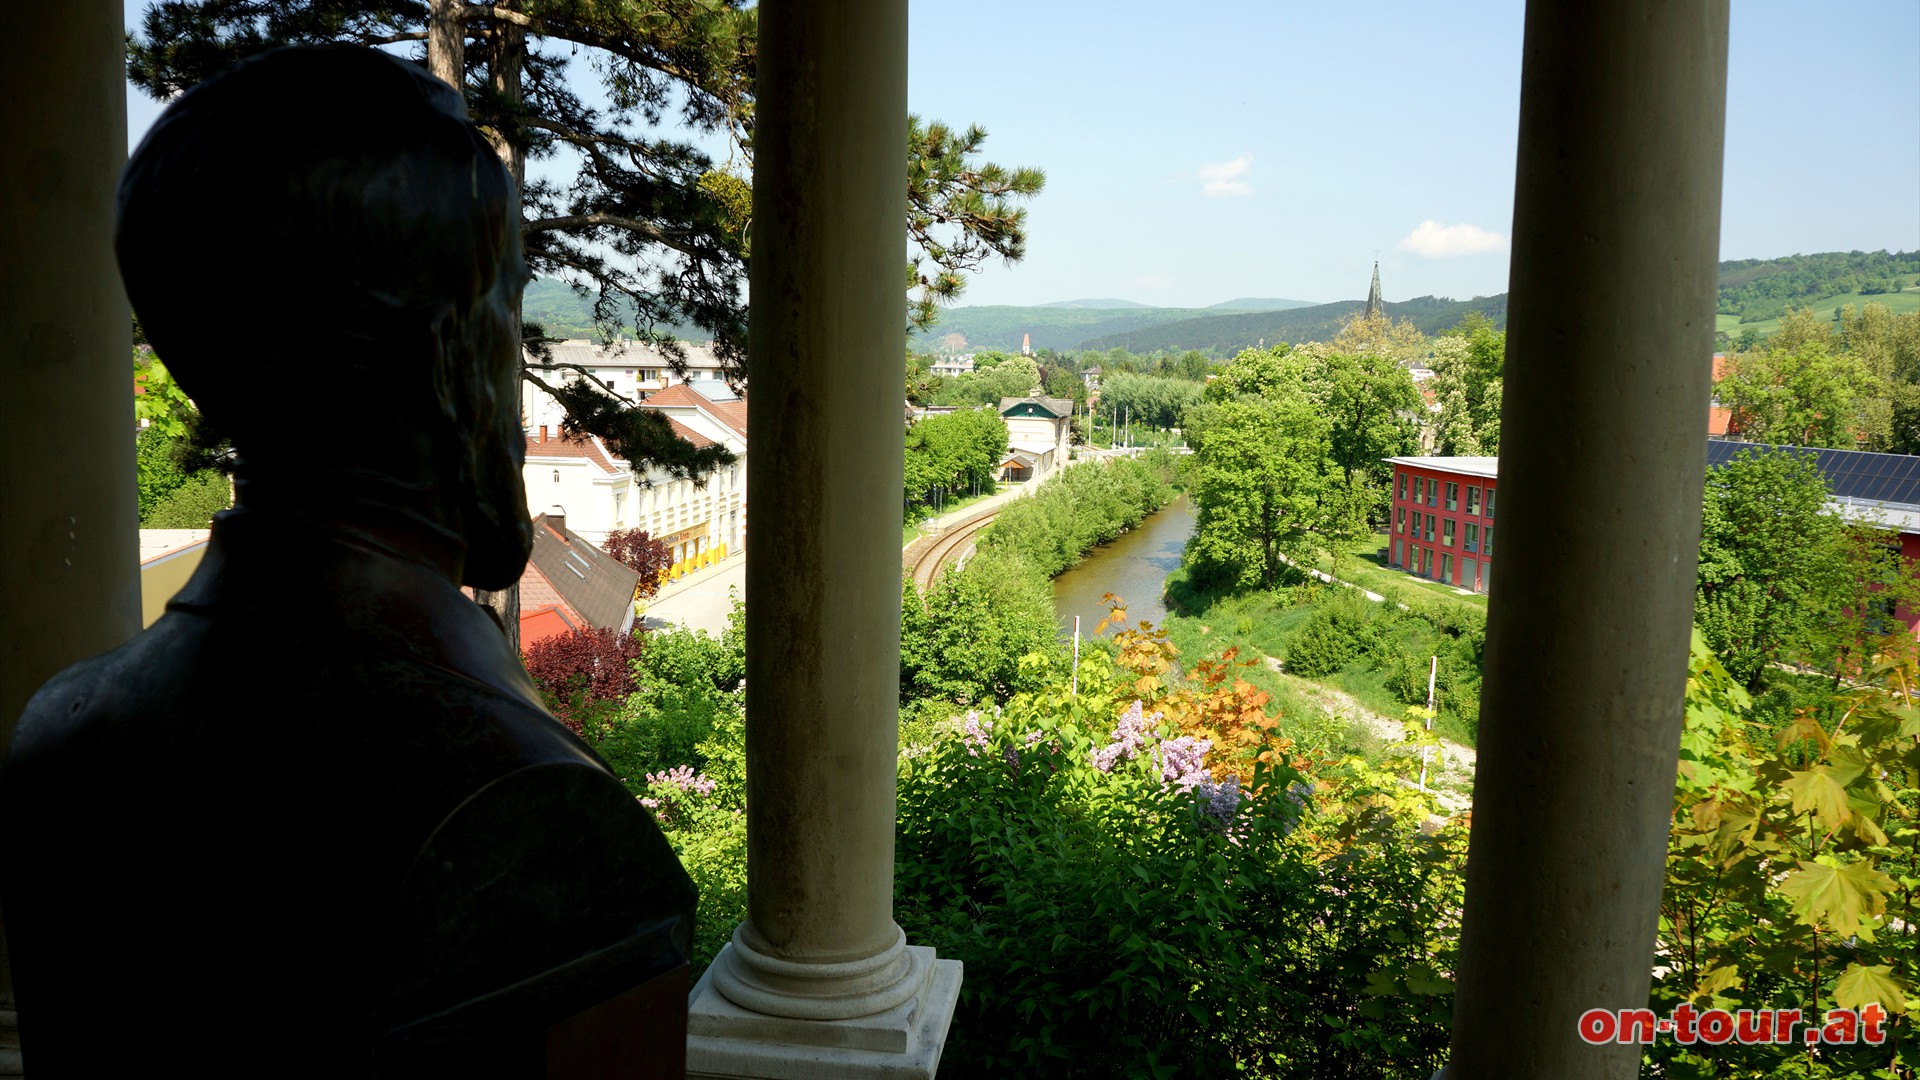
[(684, 778), (976, 733), (1182, 762), (1222, 800), (1130, 736)]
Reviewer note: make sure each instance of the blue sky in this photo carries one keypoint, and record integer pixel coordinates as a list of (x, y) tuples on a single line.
[(1275, 149)]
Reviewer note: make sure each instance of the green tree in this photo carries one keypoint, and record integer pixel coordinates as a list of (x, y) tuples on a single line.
[(1259, 372), (1011, 376), (647, 222), (1801, 393), (1889, 346), (953, 451), (1149, 400), (1774, 569), (963, 642), (1468, 362), (1262, 471), (1371, 405)]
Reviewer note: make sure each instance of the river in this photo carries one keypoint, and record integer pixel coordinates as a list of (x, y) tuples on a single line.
[(1134, 568)]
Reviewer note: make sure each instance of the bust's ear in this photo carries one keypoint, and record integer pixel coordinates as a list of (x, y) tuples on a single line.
[(453, 383)]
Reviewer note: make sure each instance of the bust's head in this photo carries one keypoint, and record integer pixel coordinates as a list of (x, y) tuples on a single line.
[(327, 256)]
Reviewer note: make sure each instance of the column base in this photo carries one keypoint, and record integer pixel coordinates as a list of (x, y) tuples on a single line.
[(728, 1042)]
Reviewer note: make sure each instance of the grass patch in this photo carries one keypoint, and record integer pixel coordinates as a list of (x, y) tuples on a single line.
[(1367, 567), (1908, 300)]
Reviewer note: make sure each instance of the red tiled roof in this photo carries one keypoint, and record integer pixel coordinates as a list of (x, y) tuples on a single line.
[(731, 413), (1719, 366), (688, 434), (574, 447), (537, 592), (538, 626), (1718, 420)]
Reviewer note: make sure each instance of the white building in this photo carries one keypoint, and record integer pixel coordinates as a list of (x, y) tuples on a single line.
[(953, 366), (599, 491), (628, 369), (1039, 434)]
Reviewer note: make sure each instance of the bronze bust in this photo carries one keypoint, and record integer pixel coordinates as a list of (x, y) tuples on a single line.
[(315, 821)]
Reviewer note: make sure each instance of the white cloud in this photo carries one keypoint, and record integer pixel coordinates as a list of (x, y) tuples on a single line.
[(1225, 179), (1436, 241)]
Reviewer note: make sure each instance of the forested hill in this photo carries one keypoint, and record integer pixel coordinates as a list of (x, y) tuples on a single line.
[(1224, 335), (1055, 326), (1757, 289)]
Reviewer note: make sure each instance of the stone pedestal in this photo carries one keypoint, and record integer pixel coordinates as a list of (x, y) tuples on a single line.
[(900, 1042)]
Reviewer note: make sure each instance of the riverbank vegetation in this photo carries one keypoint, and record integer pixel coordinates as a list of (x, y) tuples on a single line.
[(950, 456), (986, 630)]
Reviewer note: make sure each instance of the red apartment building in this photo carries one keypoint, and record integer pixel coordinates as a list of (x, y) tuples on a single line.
[(1443, 516)]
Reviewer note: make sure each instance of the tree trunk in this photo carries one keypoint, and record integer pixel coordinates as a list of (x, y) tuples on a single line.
[(506, 57), (447, 43)]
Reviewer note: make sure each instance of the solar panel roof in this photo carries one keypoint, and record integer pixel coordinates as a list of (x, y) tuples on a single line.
[(1851, 474)]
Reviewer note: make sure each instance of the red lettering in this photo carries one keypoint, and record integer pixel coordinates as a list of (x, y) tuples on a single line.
[(1683, 1020), (1637, 1025), (1597, 1026), (1756, 1025), (1842, 1027), (1784, 1021), (1716, 1026), (1871, 1017)]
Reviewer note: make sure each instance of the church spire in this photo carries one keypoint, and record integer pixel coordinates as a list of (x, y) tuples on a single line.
[(1373, 294)]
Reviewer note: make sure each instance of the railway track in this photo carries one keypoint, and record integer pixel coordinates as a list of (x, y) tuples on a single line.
[(949, 547)]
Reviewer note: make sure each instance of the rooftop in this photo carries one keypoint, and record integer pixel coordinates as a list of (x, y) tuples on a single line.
[(1470, 466)]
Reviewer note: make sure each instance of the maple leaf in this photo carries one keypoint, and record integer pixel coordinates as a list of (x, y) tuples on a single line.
[(1841, 898), (1861, 985), (1816, 790)]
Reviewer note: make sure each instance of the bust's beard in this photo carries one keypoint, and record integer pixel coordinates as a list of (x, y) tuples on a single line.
[(498, 529)]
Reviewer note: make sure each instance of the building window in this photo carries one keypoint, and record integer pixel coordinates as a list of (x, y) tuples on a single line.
[(1426, 562), (1473, 501), (1473, 537), (1453, 496), (1488, 548), (1396, 552), (1419, 489), (1403, 485), (1400, 521), (556, 476), (1433, 493), (1446, 569), (619, 508), (1446, 532), (1489, 506), (1469, 575), (1429, 536)]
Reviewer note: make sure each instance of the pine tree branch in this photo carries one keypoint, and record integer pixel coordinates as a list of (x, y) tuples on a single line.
[(646, 229)]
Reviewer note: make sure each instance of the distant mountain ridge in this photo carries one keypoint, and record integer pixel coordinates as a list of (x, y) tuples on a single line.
[(1224, 335), (1257, 303), (1108, 302)]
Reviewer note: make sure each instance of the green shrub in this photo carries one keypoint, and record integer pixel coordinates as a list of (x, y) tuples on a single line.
[(1114, 925), (191, 503)]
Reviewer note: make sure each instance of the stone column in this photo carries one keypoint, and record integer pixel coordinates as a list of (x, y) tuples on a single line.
[(69, 562), (819, 980), (1615, 240)]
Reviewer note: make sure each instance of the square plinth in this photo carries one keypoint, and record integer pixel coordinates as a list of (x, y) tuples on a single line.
[(727, 1042)]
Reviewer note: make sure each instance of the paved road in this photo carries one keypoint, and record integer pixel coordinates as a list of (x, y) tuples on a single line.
[(699, 602)]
